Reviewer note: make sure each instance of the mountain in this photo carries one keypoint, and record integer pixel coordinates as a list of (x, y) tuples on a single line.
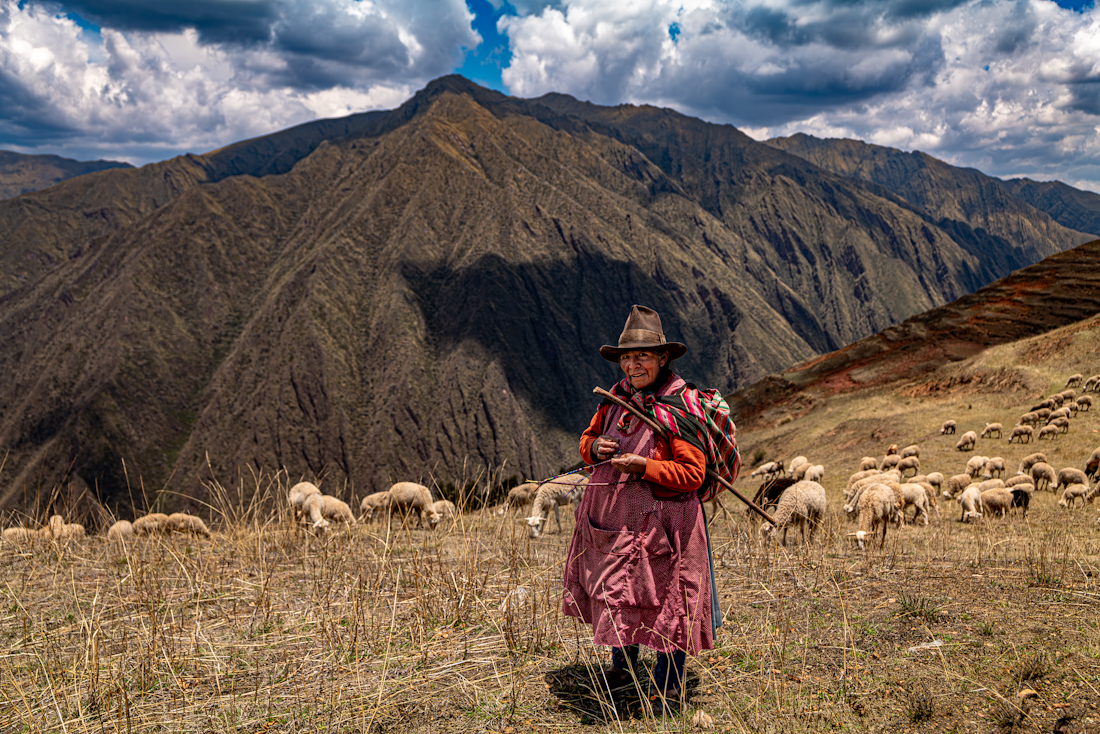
[(407, 294), (20, 174), (1068, 206), (982, 213), (1062, 290)]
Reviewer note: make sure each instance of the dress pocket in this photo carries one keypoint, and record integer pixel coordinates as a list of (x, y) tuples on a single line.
[(624, 568)]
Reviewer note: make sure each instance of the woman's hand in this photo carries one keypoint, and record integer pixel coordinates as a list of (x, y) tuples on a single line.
[(629, 464), (605, 447)]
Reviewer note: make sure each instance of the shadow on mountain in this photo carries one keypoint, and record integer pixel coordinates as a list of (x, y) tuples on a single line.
[(544, 323)]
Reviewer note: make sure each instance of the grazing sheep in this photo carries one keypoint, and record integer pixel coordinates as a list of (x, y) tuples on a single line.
[(150, 524), (856, 477), (445, 509), (1092, 466), (935, 479), (890, 461), (799, 472), (914, 495), (970, 502), (1020, 478), (976, 465), (868, 462), (991, 484), (1043, 473), (58, 529), (1031, 460), (1068, 476), (1022, 434), (322, 508), (966, 443), (1060, 422), (800, 504), (297, 495), (815, 473), (888, 480), (1074, 380), (1073, 493), (1073, 407), (990, 429), (1058, 399), (408, 497), (1043, 414), (181, 522), (121, 530), (997, 501), (1021, 497), (19, 536), (550, 496), (377, 503), (996, 466), (1091, 384), (765, 470), (795, 463), (911, 450), (931, 493), (948, 427), (1068, 395), (877, 506), (1030, 418), (1062, 412), (1049, 432), (1084, 403), (954, 486), (1093, 493), (909, 462)]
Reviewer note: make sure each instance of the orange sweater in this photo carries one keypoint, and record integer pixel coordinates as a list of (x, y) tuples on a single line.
[(681, 472)]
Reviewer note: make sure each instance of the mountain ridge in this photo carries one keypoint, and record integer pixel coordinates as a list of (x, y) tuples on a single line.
[(21, 173)]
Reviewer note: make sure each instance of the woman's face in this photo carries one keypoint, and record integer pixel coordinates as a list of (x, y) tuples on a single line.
[(641, 367)]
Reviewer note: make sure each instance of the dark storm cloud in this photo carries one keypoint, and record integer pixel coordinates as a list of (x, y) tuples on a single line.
[(217, 21)]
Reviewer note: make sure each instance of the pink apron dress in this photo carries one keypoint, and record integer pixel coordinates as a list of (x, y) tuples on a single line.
[(638, 569)]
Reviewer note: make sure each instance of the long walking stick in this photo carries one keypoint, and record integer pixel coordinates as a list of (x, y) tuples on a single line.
[(663, 433)]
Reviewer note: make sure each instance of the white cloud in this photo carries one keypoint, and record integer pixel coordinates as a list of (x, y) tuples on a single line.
[(1010, 87), (156, 93)]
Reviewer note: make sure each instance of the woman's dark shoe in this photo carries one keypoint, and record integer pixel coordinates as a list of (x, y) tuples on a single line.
[(617, 677)]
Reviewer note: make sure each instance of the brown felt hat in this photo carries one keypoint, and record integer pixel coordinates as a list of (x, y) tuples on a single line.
[(642, 331)]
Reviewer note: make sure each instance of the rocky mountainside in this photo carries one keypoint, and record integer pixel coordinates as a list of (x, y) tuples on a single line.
[(1061, 290), (407, 294), (1070, 207), (982, 213), (20, 174)]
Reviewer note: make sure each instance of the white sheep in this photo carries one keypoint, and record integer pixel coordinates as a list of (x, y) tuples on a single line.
[(935, 479), (297, 495), (795, 463), (121, 530), (445, 509), (1068, 394), (1072, 494), (909, 463), (1018, 478), (1068, 476), (550, 497), (996, 466), (19, 536), (58, 529), (1061, 423), (1074, 380), (1031, 460), (990, 429), (1092, 383), (764, 470), (150, 524), (948, 428), (322, 508), (406, 497), (1030, 418), (911, 450), (868, 462), (890, 461), (1047, 432), (967, 441), (1021, 434), (374, 504), (877, 506), (1092, 465), (522, 495), (997, 501), (181, 522), (799, 472), (970, 502), (856, 477), (1042, 472), (954, 486), (1084, 404), (815, 473), (976, 465), (801, 503), (914, 495)]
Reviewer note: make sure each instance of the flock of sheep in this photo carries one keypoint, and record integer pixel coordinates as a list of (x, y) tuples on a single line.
[(155, 523), (883, 490)]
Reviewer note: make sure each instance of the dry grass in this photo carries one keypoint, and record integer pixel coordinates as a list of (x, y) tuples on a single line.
[(269, 628)]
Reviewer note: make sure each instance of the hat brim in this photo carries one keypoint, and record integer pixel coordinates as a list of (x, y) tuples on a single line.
[(612, 353)]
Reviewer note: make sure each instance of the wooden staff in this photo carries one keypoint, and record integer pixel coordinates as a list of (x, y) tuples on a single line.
[(663, 433)]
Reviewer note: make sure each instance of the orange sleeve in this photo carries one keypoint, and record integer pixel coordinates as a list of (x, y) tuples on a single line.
[(684, 472), (592, 433)]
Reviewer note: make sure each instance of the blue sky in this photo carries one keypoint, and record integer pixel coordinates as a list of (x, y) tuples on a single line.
[(1011, 87)]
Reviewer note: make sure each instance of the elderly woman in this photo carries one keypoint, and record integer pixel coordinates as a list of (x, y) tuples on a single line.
[(639, 568)]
